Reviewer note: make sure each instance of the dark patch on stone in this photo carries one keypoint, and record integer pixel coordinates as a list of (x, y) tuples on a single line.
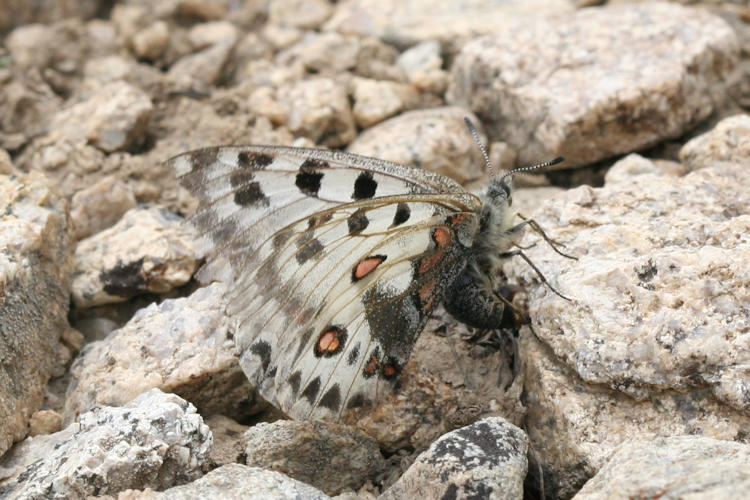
[(262, 349), (353, 355), (451, 492), (332, 398), (294, 380), (254, 160), (403, 212), (250, 194), (364, 187), (357, 221), (647, 272), (124, 280), (311, 391), (497, 445), (308, 181), (271, 373)]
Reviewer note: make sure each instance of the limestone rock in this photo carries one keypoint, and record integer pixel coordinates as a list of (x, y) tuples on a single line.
[(728, 141)]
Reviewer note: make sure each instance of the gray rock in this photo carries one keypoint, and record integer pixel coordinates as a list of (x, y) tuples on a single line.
[(329, 456), (228, 446), (653, 338), (237, 482), (151, 42), (423, 66), (634, 164), (598, 83), (322, 53), (319, 110), (100, 206), (157, 440), (486, 459), (452, 22), (728, 141), (35, 266), (574, 426), (180, 345), (215, 42), (434, 139), (149, 250), (689, 467)]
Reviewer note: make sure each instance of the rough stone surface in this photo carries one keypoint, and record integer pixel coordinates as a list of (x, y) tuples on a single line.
[(634, 164), (35, 267), (305, 14), (687, 467), (423, 66), (434, 139), (113, 119), (100, 206), (327, 53), (557, 87), (157, 440), (728, 141), (451, 22), (657, 328), (149, 250), (181, 346), (374, 101), (486, 459), (574, 426), (214, 42), (329, 456), (319, 109), (235, 482), (228, 445)]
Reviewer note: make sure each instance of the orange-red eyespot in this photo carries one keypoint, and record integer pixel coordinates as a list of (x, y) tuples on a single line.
[(330, 341), (442, 237), (367, 266), (372, 366), (391, 369), (457, 219), (430, 261)]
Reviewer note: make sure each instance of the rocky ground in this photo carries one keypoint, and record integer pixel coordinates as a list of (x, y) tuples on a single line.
[(119, 375)]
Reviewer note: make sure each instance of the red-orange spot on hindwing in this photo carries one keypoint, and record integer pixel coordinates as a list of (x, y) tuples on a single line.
[(389, 371), (430, 261), (367, 266), (442, 237), (372, 366), (458, 219), (330, 341)]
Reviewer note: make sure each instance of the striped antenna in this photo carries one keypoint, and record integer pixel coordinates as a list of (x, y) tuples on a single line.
[(475, 134), (557, 160)]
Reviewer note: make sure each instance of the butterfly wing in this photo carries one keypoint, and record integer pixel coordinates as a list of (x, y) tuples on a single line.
[(336, 261)]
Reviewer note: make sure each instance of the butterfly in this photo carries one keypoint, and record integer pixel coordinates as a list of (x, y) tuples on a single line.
[(335, 262)]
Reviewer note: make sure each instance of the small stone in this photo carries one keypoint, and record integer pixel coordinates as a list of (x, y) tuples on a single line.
[(157, 440), (319, 109), (28, 45), (374, 101), (151, 42), (423, 66), (204, 35), (208, 10), (45, 422), (329, 456), (263, 102), (434, 139), (323, 53), (486, 459), (6, 164), (304, 14), (630, 166), (100, 206), (728, 141)]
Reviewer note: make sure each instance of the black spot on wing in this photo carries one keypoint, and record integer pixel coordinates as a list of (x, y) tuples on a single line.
[(364, 187), (357, 221), (253, 160), (303, 343), (310, 249), (311, 391), (308, 179), (316, 221), (332, 398), (403, 212), (358, 400), (281, 237), (250, 194), (312, 163), (262, 349), (240, 178), (294, 381), (353, 355)]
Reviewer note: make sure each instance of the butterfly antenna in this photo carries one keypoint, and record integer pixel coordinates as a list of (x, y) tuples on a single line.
[(475, 134), (546, 164)]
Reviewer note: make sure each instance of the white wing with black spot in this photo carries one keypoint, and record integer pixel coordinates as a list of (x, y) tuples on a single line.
[(335, 260)]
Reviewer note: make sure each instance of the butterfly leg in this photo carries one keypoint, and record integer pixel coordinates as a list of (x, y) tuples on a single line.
[(525, 257), (518, 228)]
